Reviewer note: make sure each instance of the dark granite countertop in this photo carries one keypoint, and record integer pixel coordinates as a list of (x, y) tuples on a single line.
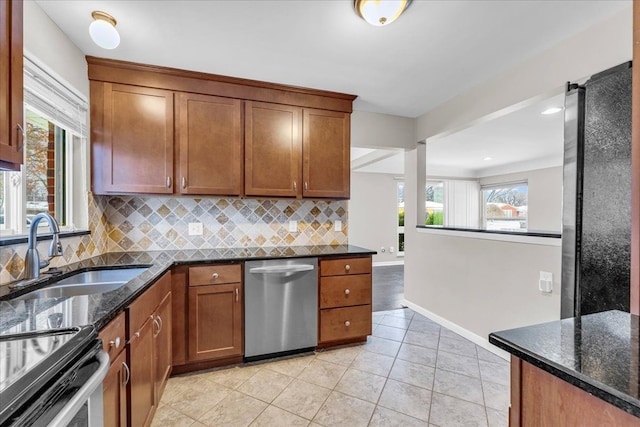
[(599, 353), (99, 309)]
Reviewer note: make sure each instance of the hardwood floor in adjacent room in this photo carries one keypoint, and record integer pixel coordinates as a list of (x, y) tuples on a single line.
[(388, 287)]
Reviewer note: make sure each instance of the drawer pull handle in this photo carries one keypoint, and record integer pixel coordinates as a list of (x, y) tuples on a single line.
[(347, 323), (168, 182), (20, 133), (214, 276), (128, 372), (160, 323), (237, 293), (115, 343), (184, 182), (306, 186), (347, 267), (347, 291), (295, 186)]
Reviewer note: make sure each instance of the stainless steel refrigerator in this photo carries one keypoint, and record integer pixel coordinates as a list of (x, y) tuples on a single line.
[(596, 218)]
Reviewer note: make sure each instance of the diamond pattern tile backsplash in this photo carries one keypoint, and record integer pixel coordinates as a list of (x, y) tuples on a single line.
[(130, 223), (161, 223), (74, 248)]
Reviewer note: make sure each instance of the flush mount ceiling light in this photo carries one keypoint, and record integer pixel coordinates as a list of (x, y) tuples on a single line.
[(487, 159), (380, 12), (103, 30), (551, 110)]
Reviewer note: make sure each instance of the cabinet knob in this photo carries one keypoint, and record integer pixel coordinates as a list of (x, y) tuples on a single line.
[(347, 267), (115, 343), (214, 276), (347, 291), (347, 323), (137, 334)]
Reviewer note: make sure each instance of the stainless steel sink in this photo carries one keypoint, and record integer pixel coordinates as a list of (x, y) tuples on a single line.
[(86, 283)]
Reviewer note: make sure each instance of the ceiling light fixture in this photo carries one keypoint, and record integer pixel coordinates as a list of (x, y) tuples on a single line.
[(551, 110), (487, 158), (103, 30), (380, 12)]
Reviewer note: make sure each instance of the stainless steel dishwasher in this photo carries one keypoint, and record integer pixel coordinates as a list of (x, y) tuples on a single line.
[(281, 306)]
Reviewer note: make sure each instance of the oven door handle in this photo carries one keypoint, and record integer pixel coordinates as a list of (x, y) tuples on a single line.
[(93, 384)]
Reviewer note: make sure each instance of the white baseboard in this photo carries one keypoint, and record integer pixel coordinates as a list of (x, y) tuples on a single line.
[(384, 263), (476, 339)]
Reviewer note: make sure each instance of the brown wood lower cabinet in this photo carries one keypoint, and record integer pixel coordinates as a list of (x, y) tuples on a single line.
[(114, 392), (163, 348), (539, 398), (215, 321), (142, 401), (150, 354), (345, 323)]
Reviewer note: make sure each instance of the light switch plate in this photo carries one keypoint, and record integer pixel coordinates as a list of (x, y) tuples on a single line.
[(337, 225), (293, 226), (195, 229)]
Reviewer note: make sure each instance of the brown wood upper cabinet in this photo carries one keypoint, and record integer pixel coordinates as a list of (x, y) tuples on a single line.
[(137, 140), (11, 85), (209, 134), (273, 144), (326, 152), (233, 137), (282, 162)]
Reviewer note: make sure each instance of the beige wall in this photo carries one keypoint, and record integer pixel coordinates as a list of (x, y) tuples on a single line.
[(545, 196), (373, 214), (478, 285), (44, 39), (599, 47), (375, 130)]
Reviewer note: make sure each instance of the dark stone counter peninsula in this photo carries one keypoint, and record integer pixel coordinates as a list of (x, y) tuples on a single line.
[(579, 371)]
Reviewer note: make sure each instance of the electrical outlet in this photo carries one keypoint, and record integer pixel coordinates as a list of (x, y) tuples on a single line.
[(337, 225), (545, 284), (195, 229), (293, 226)]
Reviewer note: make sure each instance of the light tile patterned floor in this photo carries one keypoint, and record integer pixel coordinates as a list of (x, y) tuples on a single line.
[(411, 372)]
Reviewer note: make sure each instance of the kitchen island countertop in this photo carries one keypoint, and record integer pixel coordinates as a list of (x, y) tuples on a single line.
[(99, 309), (598, 353)]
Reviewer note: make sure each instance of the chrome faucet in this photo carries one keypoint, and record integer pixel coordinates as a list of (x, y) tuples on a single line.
[(32, 264)]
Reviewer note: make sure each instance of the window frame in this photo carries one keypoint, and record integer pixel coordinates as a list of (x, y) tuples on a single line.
[(502, 185)]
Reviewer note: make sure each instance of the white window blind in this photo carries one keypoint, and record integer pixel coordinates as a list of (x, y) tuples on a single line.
[(50, 97)]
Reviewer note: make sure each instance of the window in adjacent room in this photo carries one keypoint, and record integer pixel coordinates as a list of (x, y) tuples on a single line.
[(52, 178), (434, 203), (505, 206)]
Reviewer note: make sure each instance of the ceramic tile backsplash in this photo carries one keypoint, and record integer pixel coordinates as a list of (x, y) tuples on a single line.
[(161, 223), (74, 248), (129, 223)]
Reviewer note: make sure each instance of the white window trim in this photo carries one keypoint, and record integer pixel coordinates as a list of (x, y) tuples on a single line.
[(507, 184)]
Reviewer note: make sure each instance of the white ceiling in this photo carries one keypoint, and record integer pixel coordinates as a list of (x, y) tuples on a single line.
[(521, 140), (436, 50)]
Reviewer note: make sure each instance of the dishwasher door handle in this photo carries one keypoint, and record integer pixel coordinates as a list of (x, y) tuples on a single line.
[(279, 269)]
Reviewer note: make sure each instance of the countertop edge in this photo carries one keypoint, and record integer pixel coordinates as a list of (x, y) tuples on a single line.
[(588, 384)]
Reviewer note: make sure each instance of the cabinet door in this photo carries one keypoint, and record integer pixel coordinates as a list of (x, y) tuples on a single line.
[(11, 116), (210, 137), (114, 392), (272, 150), (138, 140), (215, 321), (143, 374), (162, 335), (326, 152)]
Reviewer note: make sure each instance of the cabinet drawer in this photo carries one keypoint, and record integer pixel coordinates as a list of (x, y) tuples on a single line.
[(144, 306), (341, 291), (343, 323), (344, 266), (113, 336), (215, 274)]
